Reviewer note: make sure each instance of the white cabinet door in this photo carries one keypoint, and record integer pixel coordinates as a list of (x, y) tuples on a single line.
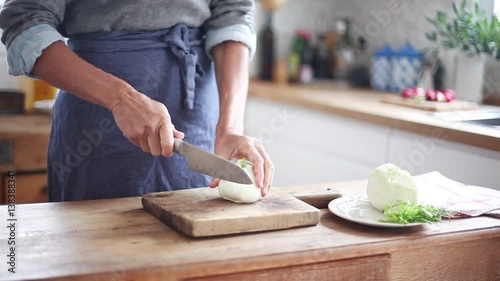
[(468, 164), (309, 146)]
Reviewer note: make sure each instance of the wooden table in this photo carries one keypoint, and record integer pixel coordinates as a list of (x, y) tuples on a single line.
[(117, 240)]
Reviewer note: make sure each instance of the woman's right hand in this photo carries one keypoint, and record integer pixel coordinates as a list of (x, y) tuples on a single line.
[(146, 123)]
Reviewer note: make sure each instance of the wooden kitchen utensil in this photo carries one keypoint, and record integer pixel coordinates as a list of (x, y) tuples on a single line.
[(201, 212), (429, 105)]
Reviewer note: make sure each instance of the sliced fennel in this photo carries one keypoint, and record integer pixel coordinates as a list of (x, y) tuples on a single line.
[(405, 212), (240, 193)]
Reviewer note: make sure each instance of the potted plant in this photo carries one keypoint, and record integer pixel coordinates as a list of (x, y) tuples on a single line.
[(466, 39)]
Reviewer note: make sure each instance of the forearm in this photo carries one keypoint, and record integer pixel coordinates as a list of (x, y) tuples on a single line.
[(231, 68), (61, 67)]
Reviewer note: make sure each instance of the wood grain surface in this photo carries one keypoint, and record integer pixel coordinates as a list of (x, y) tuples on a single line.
[(29, 134), (429, 105), (117, 239), (202, 212)]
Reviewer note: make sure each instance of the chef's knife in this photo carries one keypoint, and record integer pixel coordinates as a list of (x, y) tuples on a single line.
[(210, 164)]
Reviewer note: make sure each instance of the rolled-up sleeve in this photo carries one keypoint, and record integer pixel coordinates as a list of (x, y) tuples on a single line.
[(29, 26), (231, 20)]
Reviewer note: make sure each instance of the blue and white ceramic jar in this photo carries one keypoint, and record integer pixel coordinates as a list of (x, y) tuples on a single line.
[(406, 65), (381, 69)]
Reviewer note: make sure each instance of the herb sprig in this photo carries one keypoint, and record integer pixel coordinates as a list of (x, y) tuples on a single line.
[(404, 212)]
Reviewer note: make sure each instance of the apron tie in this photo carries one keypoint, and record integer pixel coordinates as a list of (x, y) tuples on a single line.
[(191, 72)]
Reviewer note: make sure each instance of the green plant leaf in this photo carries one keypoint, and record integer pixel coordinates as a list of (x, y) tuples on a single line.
[(455, 8)]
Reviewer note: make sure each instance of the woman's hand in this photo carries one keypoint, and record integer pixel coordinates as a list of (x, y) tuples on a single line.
[(146, 123), (233, 144)]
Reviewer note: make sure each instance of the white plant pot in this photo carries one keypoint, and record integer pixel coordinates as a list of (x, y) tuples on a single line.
[(469, 77), (491, 82)]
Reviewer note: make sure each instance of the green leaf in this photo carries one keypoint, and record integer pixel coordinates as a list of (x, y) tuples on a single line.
[(441, 17), (404, 212), (432, 36), (455, 8)]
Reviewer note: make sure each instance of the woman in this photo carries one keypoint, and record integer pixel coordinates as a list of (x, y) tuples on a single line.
[(134, 75)]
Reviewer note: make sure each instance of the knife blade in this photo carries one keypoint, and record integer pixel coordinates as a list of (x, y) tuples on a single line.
[(204, 162)]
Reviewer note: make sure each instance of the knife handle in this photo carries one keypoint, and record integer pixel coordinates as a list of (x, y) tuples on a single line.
[(319, 198), (177, 145)]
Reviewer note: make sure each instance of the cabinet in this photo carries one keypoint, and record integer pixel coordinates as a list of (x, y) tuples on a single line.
[(363, 268), (464, 163), (23, 148), (308, 146), (30, 187)]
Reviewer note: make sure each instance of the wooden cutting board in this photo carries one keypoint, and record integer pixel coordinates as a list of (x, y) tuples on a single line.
[(429, 105), (201, 212)]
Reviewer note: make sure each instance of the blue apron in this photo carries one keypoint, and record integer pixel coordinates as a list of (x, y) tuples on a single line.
[(88, 156)]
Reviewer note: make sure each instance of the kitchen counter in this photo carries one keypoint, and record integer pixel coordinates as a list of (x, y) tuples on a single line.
[(117, 240), (365, 105), (29, 135), (23, 148)]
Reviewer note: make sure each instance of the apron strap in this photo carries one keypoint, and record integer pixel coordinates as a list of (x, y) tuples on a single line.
[(178, 41)]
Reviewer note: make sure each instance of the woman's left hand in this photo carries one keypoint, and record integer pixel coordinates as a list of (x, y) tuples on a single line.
[(233, 144)]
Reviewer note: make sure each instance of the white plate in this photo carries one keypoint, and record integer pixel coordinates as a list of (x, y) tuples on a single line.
[(360, 210)]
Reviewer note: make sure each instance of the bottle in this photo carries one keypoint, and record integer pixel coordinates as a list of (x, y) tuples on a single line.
[(306, 60), (267, 50), (322, 59), (294, 58), (344, 53), (300, 58)]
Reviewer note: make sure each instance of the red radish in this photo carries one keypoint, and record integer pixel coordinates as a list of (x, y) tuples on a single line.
[(431, 95), (440, 96), (408, 93), (449, 94), (419, 91), (419, 94)]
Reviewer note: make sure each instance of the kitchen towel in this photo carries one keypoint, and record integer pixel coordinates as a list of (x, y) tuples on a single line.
[(460, 199)]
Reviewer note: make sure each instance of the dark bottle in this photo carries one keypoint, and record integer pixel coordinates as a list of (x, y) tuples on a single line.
[(306, 61), (266, 40), (322, 59), (437, 77)]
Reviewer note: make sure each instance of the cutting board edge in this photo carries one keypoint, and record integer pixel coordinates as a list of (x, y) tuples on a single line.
[(172, 220), (200, 230), (301, 215), (456, 105)]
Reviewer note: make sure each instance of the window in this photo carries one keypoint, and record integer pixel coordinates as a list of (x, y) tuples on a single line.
[(496, 7)]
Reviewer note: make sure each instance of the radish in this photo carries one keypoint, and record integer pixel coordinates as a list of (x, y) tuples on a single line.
[(419, 94), (440, 96), (449, 94), (408, 92), (431, 95)]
